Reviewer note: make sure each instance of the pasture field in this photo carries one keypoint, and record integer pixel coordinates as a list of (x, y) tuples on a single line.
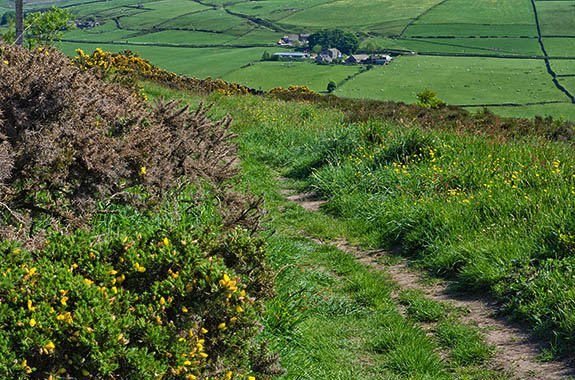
[(181, 37), (161, 12), (485, 46), (452, 27), (103, 33), (560, 110), (274, 10), (215, 20), (557, 17), (563, 67), (458, 81), (568, 83), (560, 47), (483, 17), (198, 62), (257, 36), (362, 14), (266, 75)]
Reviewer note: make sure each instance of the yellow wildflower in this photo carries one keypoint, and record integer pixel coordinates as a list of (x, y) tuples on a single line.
[(49, 346), (32, 322), (142, 170), (229, 375)]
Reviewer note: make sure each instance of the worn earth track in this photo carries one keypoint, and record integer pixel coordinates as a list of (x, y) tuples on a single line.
[(516, 347)]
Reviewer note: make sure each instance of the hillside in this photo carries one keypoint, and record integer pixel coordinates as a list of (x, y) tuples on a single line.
[(354, 239), (515, 57)]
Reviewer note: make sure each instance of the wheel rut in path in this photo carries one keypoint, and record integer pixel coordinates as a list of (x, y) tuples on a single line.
[(517, 349)]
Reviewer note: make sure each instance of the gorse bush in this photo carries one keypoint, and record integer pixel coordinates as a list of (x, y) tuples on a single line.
[(131, 66), (72, 144), (125, 253), (160, 302)]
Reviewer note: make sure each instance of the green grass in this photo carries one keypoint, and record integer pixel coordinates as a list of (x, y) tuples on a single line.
[(561, 47), (569, 84), (257, 36), (360, 15), (487, 46), (195, 62), (556, 17), (483, 17), (266, 75), (213, 20), (421, 308), (566, 110), (164, 12), (495, 215), (103, 33), (274, 9), (183, 37), (457, 81), (563, 66), (467, 345)]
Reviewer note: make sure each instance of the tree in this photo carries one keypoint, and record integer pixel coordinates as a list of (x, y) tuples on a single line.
[(265, 56), (19, 7), (429, 99), (331, 86), (43, 28), (8, 17), (345, 41)]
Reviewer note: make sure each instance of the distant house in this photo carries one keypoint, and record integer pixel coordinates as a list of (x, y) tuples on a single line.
[(327, 56), (357, 58), (292, 55), (290, 40)]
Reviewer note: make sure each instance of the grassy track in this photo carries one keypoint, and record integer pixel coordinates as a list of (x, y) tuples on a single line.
[(475, 208)]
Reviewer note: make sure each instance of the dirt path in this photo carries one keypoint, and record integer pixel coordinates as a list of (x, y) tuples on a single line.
[(517, 348)]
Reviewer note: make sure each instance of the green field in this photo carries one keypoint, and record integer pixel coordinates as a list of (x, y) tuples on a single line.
[(560, 47), (473, 18), (363, 15), (457, 80), (485, 46), (562, 66), (197, 39), (557, 17), (182, 37), (199, 62), (266, 75)]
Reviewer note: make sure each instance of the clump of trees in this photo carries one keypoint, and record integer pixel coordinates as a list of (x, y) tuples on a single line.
[(346, 42), (8, 18), (40, 28)]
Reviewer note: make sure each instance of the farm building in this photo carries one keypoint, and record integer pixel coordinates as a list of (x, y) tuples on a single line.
[(379, 59), (357, 58), (292, 55), (290, 40), (327, 56)]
